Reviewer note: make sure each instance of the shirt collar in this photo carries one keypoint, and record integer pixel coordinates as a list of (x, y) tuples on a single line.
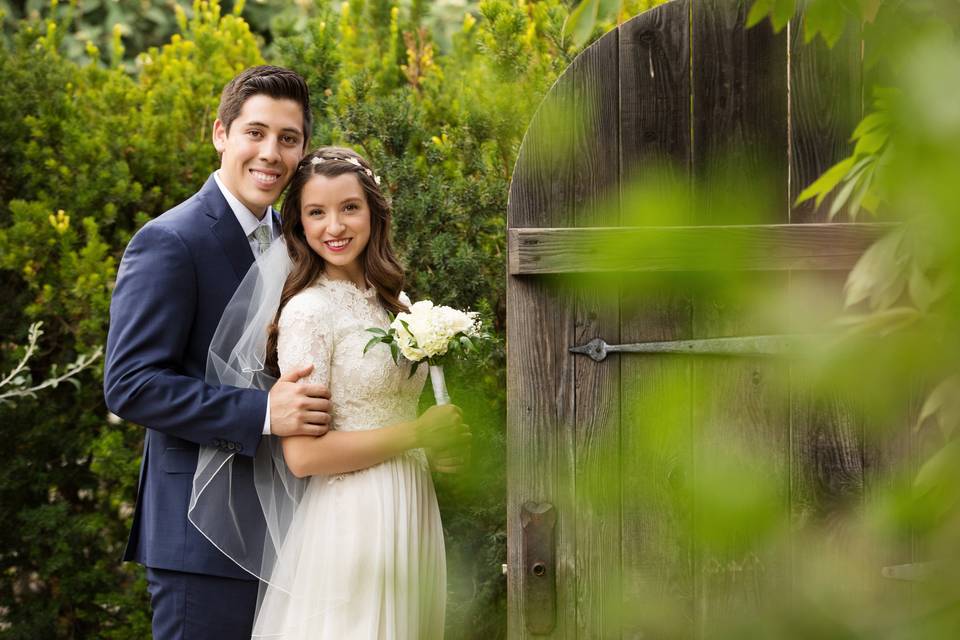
[(248, 221)]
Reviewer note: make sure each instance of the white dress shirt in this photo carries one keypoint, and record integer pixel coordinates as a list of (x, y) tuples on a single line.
[(249, 223)]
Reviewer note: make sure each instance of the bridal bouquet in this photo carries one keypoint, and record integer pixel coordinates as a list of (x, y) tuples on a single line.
[(430, 333)]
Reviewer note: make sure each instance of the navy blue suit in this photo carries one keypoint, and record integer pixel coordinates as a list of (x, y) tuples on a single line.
[(177, 275)]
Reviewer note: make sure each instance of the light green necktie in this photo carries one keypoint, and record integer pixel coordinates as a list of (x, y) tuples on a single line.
[(262, 235)]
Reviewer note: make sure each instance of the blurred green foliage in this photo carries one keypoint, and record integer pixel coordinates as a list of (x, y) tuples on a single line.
[(100, 137), (860, 542)]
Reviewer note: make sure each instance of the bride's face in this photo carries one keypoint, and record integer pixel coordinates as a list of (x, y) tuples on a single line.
[(336, 223)]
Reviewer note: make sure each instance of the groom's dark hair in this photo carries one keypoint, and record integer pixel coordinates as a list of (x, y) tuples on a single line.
[(275, 82)]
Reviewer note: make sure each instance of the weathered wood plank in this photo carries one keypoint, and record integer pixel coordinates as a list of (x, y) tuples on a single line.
[(701, 248), (540, 400), (739, 411), (597, 432), (656, 450), (657, 463), (739, 115), (542, 187), (825, 106), (826, 433), (540, 427), (655, 95), (740, 421)]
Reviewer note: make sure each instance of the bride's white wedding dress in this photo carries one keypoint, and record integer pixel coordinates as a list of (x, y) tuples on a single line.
[(364, 557)]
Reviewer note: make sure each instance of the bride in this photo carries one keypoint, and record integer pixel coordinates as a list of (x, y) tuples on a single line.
[(348, 542)]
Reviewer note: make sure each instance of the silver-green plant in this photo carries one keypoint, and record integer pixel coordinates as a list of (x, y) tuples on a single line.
[(18, 384)]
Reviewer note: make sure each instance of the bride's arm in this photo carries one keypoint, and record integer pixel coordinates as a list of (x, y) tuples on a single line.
[(342, 451), (306, 337)]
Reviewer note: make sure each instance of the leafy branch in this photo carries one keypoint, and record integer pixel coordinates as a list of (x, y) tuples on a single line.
[(18, 381), (854, 177)]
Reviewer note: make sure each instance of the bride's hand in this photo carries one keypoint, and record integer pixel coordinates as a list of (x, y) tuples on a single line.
[(449, 460), (441, 428)]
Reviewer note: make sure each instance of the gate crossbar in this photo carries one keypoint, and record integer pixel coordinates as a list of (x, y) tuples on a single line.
[(776, 247)]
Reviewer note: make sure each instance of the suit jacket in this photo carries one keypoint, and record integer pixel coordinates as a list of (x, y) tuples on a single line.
[(177, 275)]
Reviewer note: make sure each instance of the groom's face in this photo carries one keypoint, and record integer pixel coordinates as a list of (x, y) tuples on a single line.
[(260, 152)]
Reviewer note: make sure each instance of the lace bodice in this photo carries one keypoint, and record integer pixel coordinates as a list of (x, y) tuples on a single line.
[(325, 325)]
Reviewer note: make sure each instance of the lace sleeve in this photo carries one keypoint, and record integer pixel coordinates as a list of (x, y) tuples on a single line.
[(306, 337)]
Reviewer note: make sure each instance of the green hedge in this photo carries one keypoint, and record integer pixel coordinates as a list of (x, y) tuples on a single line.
[(91, 151)]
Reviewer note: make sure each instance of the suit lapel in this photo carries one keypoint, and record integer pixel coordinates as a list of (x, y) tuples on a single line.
[(226, 228)]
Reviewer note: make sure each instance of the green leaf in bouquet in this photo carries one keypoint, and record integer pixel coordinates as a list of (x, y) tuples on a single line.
[(413, 369), (377, 331), (374, 340), (467, 344), (395, 352)]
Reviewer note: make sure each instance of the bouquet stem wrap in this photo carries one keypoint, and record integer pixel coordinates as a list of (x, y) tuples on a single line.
[(439, 384)]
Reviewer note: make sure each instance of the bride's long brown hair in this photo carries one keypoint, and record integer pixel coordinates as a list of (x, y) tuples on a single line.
[(380, 264)]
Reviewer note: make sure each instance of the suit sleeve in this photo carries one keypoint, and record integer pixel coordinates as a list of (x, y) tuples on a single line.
[(151, 317)]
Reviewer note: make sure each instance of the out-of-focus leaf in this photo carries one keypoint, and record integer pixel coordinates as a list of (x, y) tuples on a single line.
[(872, 121), (783, 11), (760, 10), (825, 17), (875, 269), (827, 182), (921, 291), (860, 196), (871, 142), (841, 198), (869, 9), (937, 483), (944, 403), (881, 323), (579, 24)]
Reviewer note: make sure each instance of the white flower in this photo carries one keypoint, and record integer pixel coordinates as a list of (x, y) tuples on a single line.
[(430, 328)]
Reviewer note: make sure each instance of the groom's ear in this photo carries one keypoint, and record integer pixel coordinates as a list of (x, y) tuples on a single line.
[(219, 136)]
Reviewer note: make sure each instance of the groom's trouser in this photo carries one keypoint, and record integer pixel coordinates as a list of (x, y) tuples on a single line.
[(191, 606)]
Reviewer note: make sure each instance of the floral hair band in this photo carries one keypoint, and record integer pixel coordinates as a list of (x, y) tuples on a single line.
[(318, 160)]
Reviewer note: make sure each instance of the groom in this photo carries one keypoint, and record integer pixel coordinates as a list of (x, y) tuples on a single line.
[(177, 275)]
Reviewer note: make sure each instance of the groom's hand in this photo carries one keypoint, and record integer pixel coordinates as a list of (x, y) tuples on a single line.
[(298, 408)]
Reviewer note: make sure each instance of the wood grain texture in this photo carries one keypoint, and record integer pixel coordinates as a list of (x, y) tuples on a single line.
[(542, 188), (739, 411), (540, 428), (657, 461), (655, 445), (825, 106), (655, 95), (701, 248), (739, 114), (740, 419), (540, 399), (827, 478), (596, 476)]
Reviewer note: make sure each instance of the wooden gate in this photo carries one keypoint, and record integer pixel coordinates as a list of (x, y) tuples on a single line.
[(598, 528)]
